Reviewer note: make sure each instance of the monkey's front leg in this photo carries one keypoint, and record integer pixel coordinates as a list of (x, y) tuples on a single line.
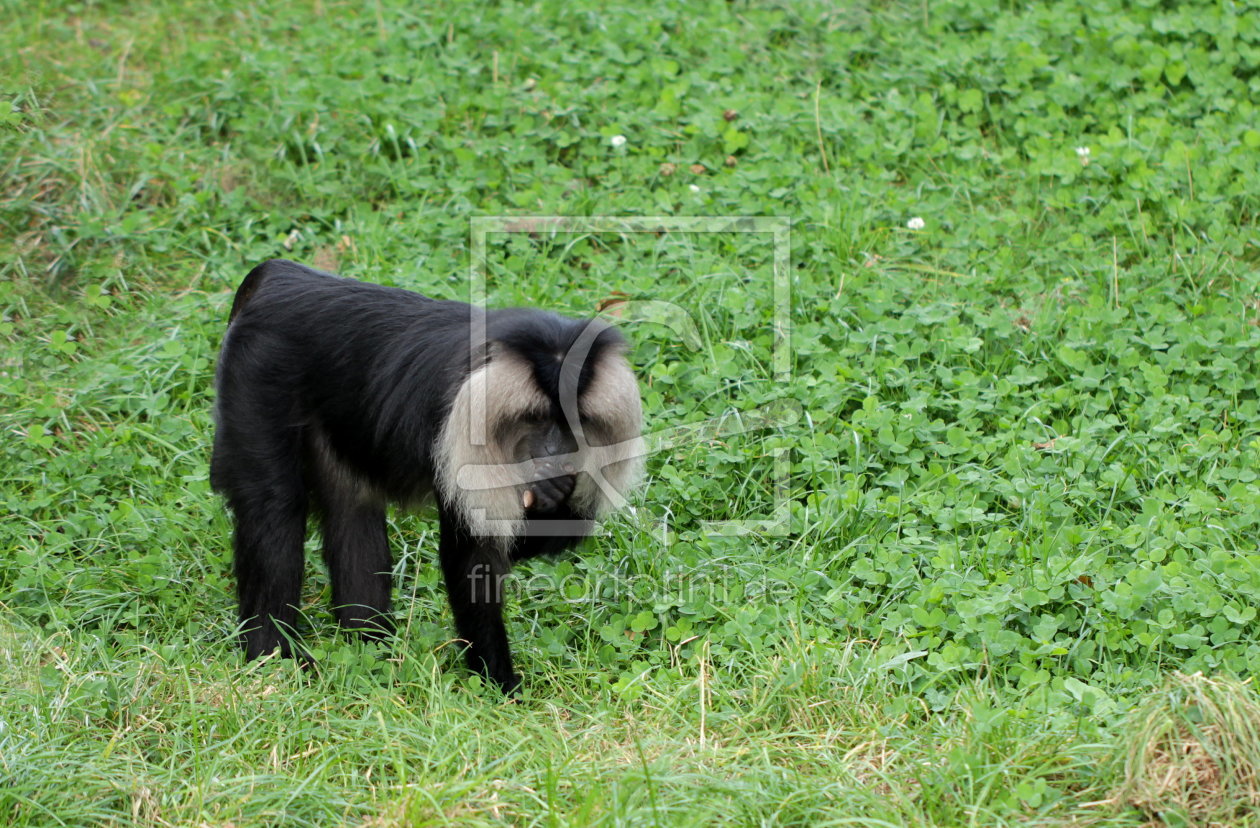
[(475, 571)]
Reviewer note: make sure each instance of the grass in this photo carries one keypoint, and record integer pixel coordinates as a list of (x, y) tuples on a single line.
[(1193, 751), (1018, 582)]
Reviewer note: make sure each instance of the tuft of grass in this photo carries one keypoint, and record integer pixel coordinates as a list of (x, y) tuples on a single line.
[(1193, 752)]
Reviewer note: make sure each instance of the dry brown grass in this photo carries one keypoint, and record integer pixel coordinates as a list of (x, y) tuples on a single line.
[(1194, 754)]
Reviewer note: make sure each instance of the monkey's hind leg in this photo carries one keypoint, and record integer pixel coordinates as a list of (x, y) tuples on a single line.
[(258, 466), (269, 561), (356, 547), (356, 550)]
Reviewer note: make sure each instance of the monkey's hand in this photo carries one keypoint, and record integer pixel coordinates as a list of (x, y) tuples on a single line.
[(551, 486)]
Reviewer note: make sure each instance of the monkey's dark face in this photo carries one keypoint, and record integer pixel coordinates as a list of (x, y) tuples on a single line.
[(521, 442), (548, 451), (538, 438)]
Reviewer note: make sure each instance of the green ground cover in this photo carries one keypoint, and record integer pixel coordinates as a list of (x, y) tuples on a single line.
[(1023, 495)]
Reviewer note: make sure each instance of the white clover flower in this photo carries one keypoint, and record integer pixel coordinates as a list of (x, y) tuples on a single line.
[(695, 188), (1082, 152), (618, 141), (916, 223)]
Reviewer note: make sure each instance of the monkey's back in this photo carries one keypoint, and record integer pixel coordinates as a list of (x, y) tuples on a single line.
[(357, 360)]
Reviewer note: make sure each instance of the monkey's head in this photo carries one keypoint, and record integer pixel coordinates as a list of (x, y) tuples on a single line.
[(545, 431)]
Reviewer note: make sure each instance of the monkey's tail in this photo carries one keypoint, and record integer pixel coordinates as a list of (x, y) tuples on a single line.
[(251, 284)]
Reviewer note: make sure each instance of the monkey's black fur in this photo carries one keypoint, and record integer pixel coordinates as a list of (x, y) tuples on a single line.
[(332, 396)]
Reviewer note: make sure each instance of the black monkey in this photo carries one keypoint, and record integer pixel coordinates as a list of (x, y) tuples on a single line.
[(338, 396)]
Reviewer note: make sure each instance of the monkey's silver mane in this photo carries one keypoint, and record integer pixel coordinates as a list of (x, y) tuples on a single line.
[(476, 474)]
